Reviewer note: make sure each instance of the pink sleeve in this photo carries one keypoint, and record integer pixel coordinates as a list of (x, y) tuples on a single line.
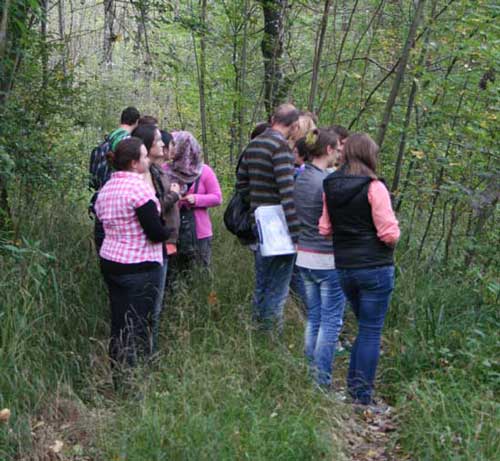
[(213, 195), (382, 214), (325, 225)]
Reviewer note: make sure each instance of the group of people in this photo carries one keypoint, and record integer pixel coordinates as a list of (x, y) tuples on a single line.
[(151, 215), (338, 212), (340, 217)]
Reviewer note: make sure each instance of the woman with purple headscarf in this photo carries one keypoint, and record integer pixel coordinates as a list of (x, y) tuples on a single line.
[(199, 188)]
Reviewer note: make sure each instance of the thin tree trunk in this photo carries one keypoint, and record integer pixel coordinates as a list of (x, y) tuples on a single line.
[(203, 110), (44, 55), (339, 57), (400, 73), (243, 77), (439, 181), (317, 55), (109, 35), (449, 237), (62, 29), (272, 50)]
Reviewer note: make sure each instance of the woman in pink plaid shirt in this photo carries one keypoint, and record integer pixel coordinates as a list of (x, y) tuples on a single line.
[(131, 254)]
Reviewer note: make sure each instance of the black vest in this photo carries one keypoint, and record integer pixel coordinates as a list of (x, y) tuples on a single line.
[(355, 240)]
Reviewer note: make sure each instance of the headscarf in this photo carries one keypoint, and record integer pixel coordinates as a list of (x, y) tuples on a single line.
[(187, 163)]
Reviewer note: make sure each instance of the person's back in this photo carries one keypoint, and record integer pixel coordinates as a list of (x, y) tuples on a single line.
[(266, 177)]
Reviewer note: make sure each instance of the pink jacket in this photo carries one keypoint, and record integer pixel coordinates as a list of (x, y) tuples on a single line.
[(209, 195), (382, 214)]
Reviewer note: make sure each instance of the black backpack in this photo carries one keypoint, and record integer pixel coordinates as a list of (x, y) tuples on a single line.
[(99, 169)]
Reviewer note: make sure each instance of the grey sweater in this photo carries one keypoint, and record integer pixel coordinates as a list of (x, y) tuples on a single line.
[(308, 198)]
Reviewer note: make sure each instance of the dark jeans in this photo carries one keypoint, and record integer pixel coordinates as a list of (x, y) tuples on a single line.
[(272, 282), (369, 292), (98, 234), (133, 298), (201, 257)]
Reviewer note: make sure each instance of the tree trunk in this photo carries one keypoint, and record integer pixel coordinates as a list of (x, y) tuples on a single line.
[(44, 55), (109, 35), (272, 50), (317, 55), (203, 68), (62, 29), (400, 73), (243, 77)]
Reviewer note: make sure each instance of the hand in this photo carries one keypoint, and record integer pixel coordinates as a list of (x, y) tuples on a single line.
[(174, 187), (190, 199)]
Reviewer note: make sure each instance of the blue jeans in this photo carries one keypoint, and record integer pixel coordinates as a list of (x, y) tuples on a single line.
[(272, 282), (369, 292), (159, 304), (325, 304), (133, 298)]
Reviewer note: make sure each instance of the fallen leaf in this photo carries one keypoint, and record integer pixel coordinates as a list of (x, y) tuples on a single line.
[(5, 415), (57, 446)]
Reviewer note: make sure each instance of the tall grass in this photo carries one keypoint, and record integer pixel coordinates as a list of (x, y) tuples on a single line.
[(219, 390), (442, 368)]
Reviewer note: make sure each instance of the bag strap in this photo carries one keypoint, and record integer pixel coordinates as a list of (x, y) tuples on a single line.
[(197, 183)]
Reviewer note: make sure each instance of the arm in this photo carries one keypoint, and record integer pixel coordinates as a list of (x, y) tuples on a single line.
[(284, 173), (213, 195), (382, 214), (325, 224), (151, 223)]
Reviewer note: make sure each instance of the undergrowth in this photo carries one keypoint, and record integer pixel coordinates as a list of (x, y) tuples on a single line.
[(218, 390)]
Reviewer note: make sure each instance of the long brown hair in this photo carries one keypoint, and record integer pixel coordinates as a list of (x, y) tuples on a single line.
[(361, 155)]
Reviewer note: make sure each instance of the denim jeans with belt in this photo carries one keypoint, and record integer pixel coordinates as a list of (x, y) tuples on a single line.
[(325, 304), (272, 282), (133, 298), (369, 292)]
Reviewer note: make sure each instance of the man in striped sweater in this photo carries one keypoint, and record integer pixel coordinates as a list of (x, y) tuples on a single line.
[(266, 177)]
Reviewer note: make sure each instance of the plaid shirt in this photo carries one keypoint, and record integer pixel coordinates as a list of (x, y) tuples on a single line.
[(125, 241)]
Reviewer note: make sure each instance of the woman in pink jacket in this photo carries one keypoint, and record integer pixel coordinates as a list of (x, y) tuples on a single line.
[(357, 211), (200, 191)]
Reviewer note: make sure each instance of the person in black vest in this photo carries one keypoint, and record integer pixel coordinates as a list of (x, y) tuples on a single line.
[(358, 212)]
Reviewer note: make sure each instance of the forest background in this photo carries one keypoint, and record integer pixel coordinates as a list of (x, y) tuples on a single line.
[(419, 76)]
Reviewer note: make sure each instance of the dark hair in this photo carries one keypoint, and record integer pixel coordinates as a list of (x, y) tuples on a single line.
[(126, 151), (286, 115), (302, 149), (166, 137), (148, 120), (147, 134), (129, 116), (361, 155), (339, 130), (317, 140), (259, 129)]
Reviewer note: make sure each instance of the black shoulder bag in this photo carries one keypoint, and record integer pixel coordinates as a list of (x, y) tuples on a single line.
[(238, 215), (187, 242)]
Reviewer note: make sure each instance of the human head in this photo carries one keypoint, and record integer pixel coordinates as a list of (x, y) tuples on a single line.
[(148, 120), (168, 145), (361, 155), (284, 119), (259, 129), (130, 116), (300, 152), (342, 134), (305, 123), (320, 143), (187, 161), (130, 155), (151, 137)]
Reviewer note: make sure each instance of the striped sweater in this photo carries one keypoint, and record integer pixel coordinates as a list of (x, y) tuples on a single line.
[(265, 175)]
